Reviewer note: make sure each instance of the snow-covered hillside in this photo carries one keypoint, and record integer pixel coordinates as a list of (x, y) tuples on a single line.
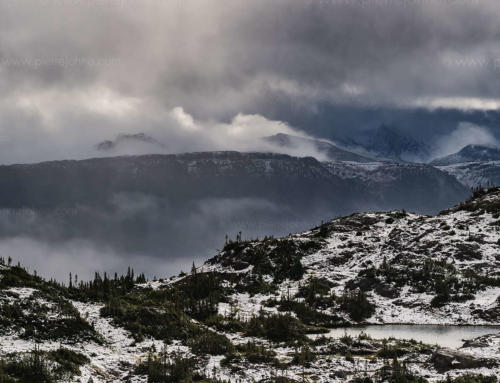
[(475, 174), (400, 259), (473, 166), (261, 310), (470, 153)]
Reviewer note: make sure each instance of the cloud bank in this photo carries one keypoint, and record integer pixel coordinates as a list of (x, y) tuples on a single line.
[(73, 72), (465, 134), (220, 74)]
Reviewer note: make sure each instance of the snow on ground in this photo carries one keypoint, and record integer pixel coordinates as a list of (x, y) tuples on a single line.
[(20, 292), (416, 305), (473, 174), (110, 362), (347, 251), (120, 352), (245, 306)]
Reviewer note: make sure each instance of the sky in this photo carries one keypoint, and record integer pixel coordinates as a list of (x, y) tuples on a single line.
[(200, 75), (218, 74)]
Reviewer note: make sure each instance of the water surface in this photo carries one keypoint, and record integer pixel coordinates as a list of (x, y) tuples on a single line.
[(442, 335)]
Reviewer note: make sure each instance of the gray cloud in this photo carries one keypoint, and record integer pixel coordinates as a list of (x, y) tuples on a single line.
[(465, 134), (218, 74), (75, 71), (142, 231), (84, 258)]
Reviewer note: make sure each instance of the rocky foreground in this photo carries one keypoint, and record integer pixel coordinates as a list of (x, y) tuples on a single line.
[(261, 310)]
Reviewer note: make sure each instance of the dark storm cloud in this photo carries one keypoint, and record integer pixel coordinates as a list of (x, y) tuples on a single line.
[(219, 74), (218, 58), (145, 232)]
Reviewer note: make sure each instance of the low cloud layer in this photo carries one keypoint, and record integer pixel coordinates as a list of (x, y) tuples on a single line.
[(83, 258), (465, 134), (220, 75), (147, 233), (174, 131)]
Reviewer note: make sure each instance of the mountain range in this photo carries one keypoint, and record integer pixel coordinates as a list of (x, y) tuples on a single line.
[(473, 165), (470, 153), (324, 148), (179, 205), (176, 206), (388, 143)]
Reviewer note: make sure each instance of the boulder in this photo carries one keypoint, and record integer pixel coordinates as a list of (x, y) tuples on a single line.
[(387, 291), (490, 315), (445, 359), (481, 341), (475, 343), (359, 347), (364, 284)]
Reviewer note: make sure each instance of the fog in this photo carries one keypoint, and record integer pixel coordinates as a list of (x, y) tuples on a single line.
[(197, 74), (142, 232), (465, 134), (216, 75)]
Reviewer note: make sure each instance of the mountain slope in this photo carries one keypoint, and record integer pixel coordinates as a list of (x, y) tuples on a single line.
[(93, 181), (254, 311), (475, 174), (167, 206), (211, 174), (469, 153), (417, 269), (388, 143), (382, 181), (473, 165), (332, 152)]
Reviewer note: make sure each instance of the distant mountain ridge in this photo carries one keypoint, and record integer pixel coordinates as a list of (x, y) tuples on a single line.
[(333, 152), (475, 174), (182, 204), (388, 143), (124, 139), (473, 165), (470, 153), (255, 174)]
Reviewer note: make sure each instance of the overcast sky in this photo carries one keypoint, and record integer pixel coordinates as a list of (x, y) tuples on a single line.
[(220, 74), (203, 73)]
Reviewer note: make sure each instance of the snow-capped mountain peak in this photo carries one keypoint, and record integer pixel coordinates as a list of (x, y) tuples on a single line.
[(470, 153)]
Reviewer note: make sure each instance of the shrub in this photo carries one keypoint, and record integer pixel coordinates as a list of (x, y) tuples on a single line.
[(470, 378), (180, 370), (304, 357), (209, 342), (276, 327), (357, 305), (256, 354), (28, 370), (64, 364), (69, 361), (142, 318)]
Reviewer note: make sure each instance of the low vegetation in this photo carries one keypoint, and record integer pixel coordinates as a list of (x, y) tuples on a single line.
[(42, 367)]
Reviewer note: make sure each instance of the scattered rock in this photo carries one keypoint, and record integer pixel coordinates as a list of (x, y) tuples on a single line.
[(359, 347), (490, 315), (387, 291), (445, 359), (364, 284), (475, 343)]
